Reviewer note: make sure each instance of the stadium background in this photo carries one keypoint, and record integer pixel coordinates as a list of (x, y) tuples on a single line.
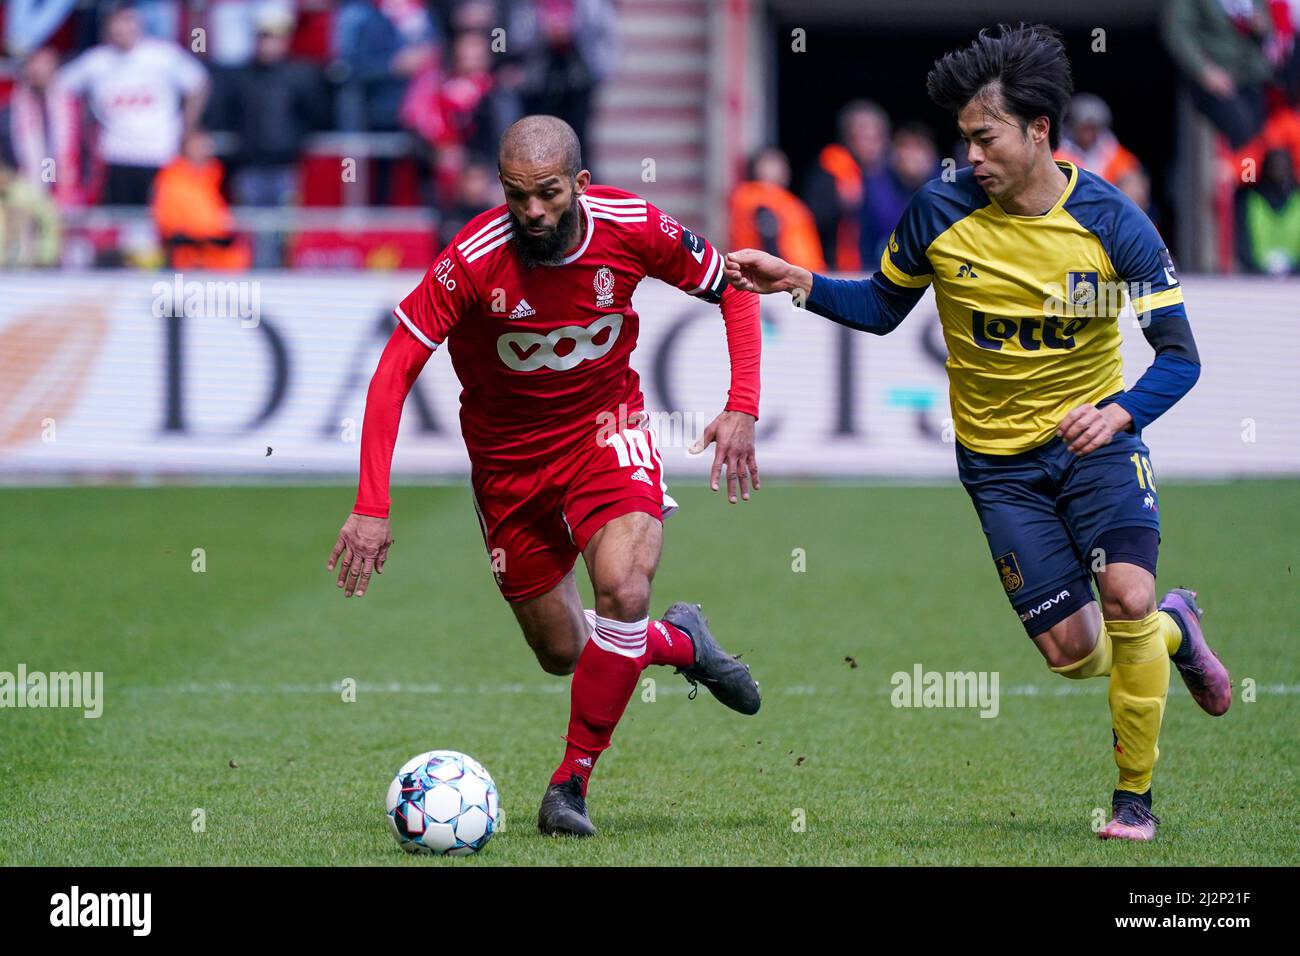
[(674, 98), (259, 379)]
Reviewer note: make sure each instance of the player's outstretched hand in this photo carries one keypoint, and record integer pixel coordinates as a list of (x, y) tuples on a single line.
[(1088, 427), (734, 434), (750, 270), (363, 542)]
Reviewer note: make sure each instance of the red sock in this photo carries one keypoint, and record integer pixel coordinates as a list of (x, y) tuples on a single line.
[(603, 683), (668, 644)]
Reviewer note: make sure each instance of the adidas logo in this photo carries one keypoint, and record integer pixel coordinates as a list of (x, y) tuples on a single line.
[(640, 475), (523, 310)]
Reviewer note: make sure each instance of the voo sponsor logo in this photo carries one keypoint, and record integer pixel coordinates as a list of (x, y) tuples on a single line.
[(529, 351)]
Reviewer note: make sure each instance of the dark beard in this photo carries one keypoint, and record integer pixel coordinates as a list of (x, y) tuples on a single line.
[(547, 250)]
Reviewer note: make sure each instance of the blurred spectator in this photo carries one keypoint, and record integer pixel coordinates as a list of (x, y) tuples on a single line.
[(913, 161), (29, 222), (233, 27), (1087, 141), (457, 114), (43, 128), (191, 214), (766, 215), (272, 103), (380, 46), (834, 188), (1220, 46), (1268, 220), (565, 48), (136, 88), (1281, 131), (477, 190)]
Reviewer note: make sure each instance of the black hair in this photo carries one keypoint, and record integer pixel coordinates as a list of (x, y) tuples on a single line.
[(1027, 64)]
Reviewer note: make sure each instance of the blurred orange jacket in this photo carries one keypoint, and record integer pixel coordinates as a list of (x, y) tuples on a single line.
[(795, 229), (1109, 160), (188, 205), (843, 168)]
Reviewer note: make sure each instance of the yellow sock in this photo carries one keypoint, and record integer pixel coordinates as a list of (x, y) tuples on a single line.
[(1096, 664), (1139, 683), (1170, 631)]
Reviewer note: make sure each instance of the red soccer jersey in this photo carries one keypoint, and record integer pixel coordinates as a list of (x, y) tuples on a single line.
[(543, 353)]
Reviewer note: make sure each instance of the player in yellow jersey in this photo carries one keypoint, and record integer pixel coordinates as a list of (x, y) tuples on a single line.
[(1031, 262)]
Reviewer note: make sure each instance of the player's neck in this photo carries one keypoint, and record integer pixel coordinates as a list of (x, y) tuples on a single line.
[(581, 234), (1044, 189)]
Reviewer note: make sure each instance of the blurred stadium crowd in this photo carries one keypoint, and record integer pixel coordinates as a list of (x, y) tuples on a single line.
[(192, 107)]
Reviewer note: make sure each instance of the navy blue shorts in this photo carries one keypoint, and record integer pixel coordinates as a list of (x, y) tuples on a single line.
[(1043, 511)]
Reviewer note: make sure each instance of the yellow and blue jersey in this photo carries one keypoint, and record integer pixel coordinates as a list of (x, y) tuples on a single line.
[(1028, 305)]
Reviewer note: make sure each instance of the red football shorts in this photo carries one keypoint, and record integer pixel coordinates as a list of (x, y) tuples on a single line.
[(536, 521)]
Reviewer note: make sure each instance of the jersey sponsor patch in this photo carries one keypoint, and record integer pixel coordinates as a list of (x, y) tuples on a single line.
[(694, 244), (1167, 263)]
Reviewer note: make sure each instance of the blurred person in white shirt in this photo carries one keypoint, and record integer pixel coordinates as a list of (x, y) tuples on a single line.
[(145, 94)]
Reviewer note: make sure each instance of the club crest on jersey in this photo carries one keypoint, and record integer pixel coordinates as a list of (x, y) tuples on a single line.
[(1081, 288), (1009, 572), (603, 283)]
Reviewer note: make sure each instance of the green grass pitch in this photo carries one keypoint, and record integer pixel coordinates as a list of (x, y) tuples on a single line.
[(242, 663)]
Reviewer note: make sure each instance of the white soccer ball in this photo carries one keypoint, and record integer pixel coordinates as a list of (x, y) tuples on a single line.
[(443, 802)]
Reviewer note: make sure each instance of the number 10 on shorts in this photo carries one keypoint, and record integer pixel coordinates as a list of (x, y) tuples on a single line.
[(632, 448)]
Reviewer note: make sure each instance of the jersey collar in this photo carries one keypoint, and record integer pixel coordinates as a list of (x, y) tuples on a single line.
[(591, 227), (1070, 171)]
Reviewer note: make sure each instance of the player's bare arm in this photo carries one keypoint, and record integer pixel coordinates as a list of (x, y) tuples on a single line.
[(1088, 427), (361, 548)]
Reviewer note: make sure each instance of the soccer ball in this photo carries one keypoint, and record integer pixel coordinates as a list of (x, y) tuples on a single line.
[(443, 802)]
